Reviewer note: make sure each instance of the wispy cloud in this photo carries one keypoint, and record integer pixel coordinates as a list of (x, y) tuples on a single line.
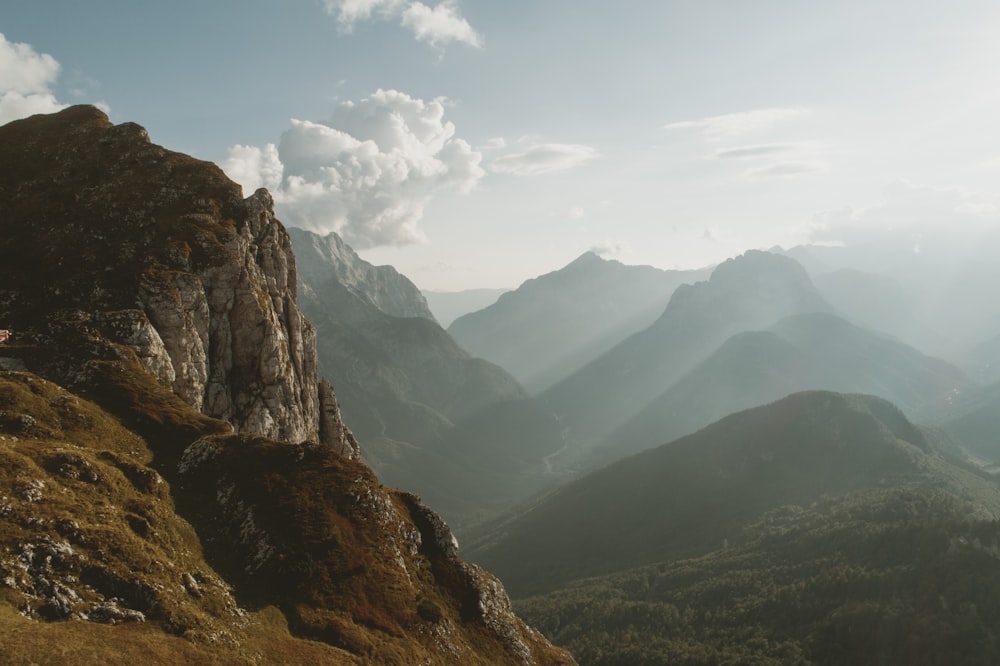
[(542, 158), (935, 218), (730, 125), (760, 150), (785, 169), (366, 173), (439, 25)]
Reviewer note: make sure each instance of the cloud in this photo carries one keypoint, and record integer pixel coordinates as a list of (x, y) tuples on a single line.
[(909, 216), (496, 143), (576, 213), (366, 173), (610, 248), (438, 25), (26, 79), (542, 158), (760, 150), (254, 167), (729, 125), (783, 169)]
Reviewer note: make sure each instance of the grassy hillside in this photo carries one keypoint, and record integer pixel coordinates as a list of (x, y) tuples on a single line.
[(900, 576)]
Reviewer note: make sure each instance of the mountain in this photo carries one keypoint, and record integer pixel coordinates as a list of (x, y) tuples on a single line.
[(750, 292), (448, 306), (972, 416), (895, 576), (180, 486), (325, 258), (935, 296), (554, 324), (457, 430), (689, 497), (800, 352), (881, 303)]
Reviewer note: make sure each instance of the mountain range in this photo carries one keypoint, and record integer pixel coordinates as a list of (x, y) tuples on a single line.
[(800, 352), (554, 324), (749, 292)]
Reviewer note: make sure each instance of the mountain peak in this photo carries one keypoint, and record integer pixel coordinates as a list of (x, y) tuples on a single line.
[(324, 258)]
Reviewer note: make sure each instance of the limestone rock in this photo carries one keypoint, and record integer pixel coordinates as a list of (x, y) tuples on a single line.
[(163, 256)]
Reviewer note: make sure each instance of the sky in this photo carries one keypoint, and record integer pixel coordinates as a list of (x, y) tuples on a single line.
[(476, 143)]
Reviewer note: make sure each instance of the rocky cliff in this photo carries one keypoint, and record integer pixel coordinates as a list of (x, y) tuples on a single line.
[(170, 458), (160, 253), (459, 431), (325, 258)]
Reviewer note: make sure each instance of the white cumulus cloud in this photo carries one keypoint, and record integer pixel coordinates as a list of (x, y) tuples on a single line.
[(438, 25), (542, 158), (26, 79), (366, 173)]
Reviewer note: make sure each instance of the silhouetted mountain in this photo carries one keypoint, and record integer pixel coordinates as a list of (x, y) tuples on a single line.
[(801, 352), (448, 306), (750, 292), (179, 486), (433, 419), (688, 497), (552, 325)]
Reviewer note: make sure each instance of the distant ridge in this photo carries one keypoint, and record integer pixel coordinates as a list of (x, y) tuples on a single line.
[(448, 306), (801, 352), (552, 325), (686, 498), (749, 292)]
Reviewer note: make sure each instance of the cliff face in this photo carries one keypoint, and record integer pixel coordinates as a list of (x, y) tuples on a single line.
[(325, 258), (457, 430), (142, 280), (159, 252)]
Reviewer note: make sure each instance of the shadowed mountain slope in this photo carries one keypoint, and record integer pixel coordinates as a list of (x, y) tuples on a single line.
[(689, 497)]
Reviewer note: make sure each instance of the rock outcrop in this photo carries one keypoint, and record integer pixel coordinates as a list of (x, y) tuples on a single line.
[(166, 238), (143, 280)]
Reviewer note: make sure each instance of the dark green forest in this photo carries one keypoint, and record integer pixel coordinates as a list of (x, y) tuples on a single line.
[(906, 575)]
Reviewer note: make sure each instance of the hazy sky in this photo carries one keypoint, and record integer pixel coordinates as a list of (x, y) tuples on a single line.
[(477, 143)]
